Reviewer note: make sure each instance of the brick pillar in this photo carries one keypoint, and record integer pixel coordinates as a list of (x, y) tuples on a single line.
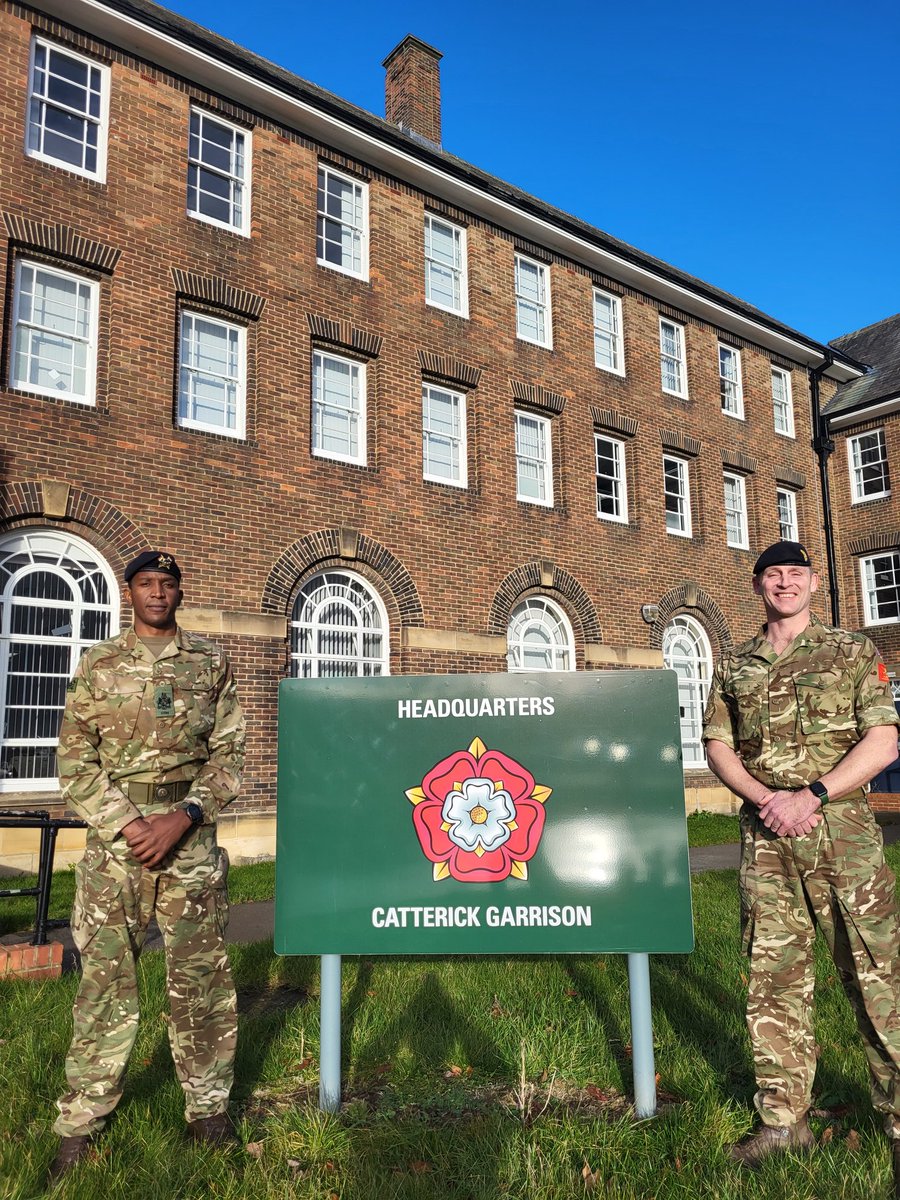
[(412, 88)]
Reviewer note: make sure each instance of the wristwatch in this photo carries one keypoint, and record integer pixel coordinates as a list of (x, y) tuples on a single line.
[(194, 811), (819, 789)]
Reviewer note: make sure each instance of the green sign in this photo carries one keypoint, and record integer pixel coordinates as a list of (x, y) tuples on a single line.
[(529, 813)]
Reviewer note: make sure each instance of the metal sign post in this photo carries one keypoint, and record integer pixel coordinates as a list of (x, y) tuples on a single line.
[(532, 813)]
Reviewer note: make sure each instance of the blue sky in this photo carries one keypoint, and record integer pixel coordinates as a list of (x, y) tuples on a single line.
[(755, 146)]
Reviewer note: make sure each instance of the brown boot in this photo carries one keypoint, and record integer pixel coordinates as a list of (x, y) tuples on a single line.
[(772, 1139), (70, 1151), (214, 1131)]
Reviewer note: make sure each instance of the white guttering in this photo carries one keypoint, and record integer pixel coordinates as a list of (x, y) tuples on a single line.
[(168, 52)]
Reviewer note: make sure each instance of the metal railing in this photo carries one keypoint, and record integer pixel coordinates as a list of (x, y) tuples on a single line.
[(13, 818)]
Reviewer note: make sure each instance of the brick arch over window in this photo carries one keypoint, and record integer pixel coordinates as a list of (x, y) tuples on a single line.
[(56, 505), (551, 580), (691, 600), (342, 549)]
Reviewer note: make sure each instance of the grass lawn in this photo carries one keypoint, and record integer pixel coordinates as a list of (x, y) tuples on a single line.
[(470, 1079)]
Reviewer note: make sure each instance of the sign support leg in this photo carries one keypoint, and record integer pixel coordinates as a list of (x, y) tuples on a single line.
[(643, 1065), (330, 1032)]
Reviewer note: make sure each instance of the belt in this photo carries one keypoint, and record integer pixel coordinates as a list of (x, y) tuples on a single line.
[(147, 793)]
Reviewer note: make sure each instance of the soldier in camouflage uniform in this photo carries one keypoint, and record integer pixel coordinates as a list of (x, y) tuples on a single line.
[(151, 748), (799, 719)]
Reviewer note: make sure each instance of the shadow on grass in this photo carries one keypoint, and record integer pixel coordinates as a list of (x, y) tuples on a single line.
[(431, 1027)]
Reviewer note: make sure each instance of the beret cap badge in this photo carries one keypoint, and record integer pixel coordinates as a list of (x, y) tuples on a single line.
[(153, 560)]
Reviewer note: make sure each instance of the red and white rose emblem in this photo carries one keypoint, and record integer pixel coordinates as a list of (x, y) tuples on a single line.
[(479, 815)]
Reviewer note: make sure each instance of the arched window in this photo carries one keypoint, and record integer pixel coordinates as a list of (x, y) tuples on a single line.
[(539, 637), (687, 652), (57, 597), (339, 628)]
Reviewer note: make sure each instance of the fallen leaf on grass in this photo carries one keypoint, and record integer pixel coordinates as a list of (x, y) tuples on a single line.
[(596, 1093), (419, 1166), (827, 1135), (678, 1164), (383, 1068), (497, 1009), (591, 1178), (852, 1140), (254, 1149), (571, 991)]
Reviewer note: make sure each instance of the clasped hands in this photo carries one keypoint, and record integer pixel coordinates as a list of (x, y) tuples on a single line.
[(151, 838), (790, 814)]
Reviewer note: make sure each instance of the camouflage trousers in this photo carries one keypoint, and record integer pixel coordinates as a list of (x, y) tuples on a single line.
[(114, 902), (834, 878)]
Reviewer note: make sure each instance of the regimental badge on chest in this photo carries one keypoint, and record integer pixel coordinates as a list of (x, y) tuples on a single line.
[(164, 700)]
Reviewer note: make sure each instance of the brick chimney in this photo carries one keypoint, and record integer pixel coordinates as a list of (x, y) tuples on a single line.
[(412, 89)]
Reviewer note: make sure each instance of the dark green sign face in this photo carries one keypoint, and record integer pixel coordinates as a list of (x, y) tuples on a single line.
[(482, 814)]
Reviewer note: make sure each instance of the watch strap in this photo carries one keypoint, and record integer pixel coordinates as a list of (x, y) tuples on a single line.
[(819, 789)]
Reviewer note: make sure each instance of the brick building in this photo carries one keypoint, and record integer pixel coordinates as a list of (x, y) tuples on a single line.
[(390, 413), (863, 424)]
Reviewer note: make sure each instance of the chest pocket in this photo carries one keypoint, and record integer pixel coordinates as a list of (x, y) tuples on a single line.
[(121, 700), (193, 699), (749, 697), (824, 705)]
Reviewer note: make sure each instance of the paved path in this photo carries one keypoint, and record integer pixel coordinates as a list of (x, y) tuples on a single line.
[(255, 922)]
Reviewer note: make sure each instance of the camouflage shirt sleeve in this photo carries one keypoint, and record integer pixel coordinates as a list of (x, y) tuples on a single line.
[(85, 785), (718, 719), (874, 703), (219, 779)]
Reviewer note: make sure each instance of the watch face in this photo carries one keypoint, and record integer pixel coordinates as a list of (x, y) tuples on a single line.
[(195, 812)]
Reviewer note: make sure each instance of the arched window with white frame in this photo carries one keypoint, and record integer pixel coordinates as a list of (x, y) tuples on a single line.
[(57, 597), (686, 650), (539, 637), (339, 628)]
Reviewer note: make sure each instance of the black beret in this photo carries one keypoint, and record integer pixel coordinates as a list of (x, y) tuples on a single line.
[(782, 554), (153, 560)]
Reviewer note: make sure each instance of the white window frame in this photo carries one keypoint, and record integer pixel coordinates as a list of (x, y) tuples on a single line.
[(539, 305), (783, 403), (616, 478), (608, 335), (35, 130), (687, 652), (870, 589), (543, 463), (359, 227), (457, 272), (539, 615), (731, 390), (682, 495), (191, 373), (359, 415), (456, 440), (336, 606), (32, 333), (735, 505), (857, 467), (92, 588), (238, 174), (678, 358), (788, 527)]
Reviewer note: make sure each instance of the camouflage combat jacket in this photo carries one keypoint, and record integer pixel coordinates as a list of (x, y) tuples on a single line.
[(130, 718), (792, 717)]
